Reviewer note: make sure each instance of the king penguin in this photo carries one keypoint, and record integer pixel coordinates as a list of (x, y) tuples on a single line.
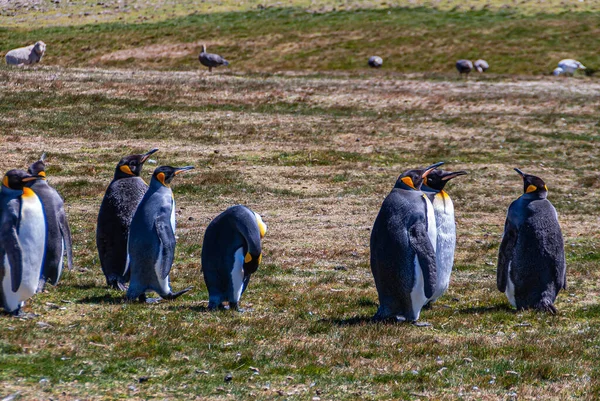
[(531, 260), (151, 245), (443, 210), (403, 242), (231, 252), (58, 233), (116, 211), (22, 240)]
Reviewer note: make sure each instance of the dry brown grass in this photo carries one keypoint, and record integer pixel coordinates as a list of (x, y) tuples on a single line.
[(315, 157)]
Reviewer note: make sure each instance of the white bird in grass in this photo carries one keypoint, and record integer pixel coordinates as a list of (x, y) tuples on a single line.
[(568, 66), (481, 65)]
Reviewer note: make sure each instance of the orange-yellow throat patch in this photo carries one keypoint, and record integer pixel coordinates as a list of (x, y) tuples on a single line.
[(28, 192)]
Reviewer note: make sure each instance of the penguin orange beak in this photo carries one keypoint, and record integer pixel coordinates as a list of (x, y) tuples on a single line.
[(455, 174), (182, 169), (431, 168), (32, 178), (147, 155)]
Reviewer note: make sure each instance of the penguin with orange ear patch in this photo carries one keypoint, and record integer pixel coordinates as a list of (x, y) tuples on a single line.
[(403, 243), (231, 252), (531, 260), (58, 232), (22, 240), (151, 244), (443, 209), (118, 206)]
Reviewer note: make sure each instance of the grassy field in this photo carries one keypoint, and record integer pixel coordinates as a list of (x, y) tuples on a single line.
[(269, 40), (25, 13), (315, 156)]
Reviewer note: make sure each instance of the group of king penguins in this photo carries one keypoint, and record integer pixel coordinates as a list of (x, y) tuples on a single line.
[(412, 241), (414, 238), (135, 236)]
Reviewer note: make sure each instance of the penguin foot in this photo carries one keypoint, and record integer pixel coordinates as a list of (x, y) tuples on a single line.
[(217, 306), (545, 306), (421, 324), (427, 306), (153, 300), (388, 319), (234, 306), (175, 295), (19, 314)]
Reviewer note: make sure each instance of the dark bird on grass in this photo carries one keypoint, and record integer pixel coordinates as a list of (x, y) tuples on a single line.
[(22, 240), (375, 62), (58, 233), (116, 211), (403, 243), (211, 60), (443, 209), (464, 66), (531, 261), (231, 253), (481, 65), (151, 244)]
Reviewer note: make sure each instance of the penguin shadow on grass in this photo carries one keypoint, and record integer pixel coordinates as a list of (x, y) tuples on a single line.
[(486, 309)]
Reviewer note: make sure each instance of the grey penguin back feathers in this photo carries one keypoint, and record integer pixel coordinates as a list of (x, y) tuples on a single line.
[(402, 249), (231, 253), (531, 260)]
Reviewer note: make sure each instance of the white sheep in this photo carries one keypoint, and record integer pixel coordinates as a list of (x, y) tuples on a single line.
[(26, 55)]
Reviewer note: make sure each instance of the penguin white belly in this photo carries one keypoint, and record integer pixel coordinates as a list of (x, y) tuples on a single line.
[(446, 242), (32, 238), (431, 225), (417, 295), (510, 287), (237, 274)]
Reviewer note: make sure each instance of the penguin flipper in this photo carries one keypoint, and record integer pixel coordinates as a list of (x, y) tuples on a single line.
[(65, 231), (504, 255), (12, 247), (420, 243), (167, 242)]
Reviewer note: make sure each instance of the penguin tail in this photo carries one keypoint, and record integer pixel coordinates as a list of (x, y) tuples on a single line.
[(226, 63), (41, 285), (175, 295), (115, 283)]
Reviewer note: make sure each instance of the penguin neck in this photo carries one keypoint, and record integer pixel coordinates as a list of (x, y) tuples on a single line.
[(402, 185), (535, 195), (156, 186), (425, 188), (13, 193)]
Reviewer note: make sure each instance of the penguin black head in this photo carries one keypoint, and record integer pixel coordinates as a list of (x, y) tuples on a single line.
[(131, 166), (39, 167), (533, 184), (437, 179), (17, 179), (412, 179), (165, 174)]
